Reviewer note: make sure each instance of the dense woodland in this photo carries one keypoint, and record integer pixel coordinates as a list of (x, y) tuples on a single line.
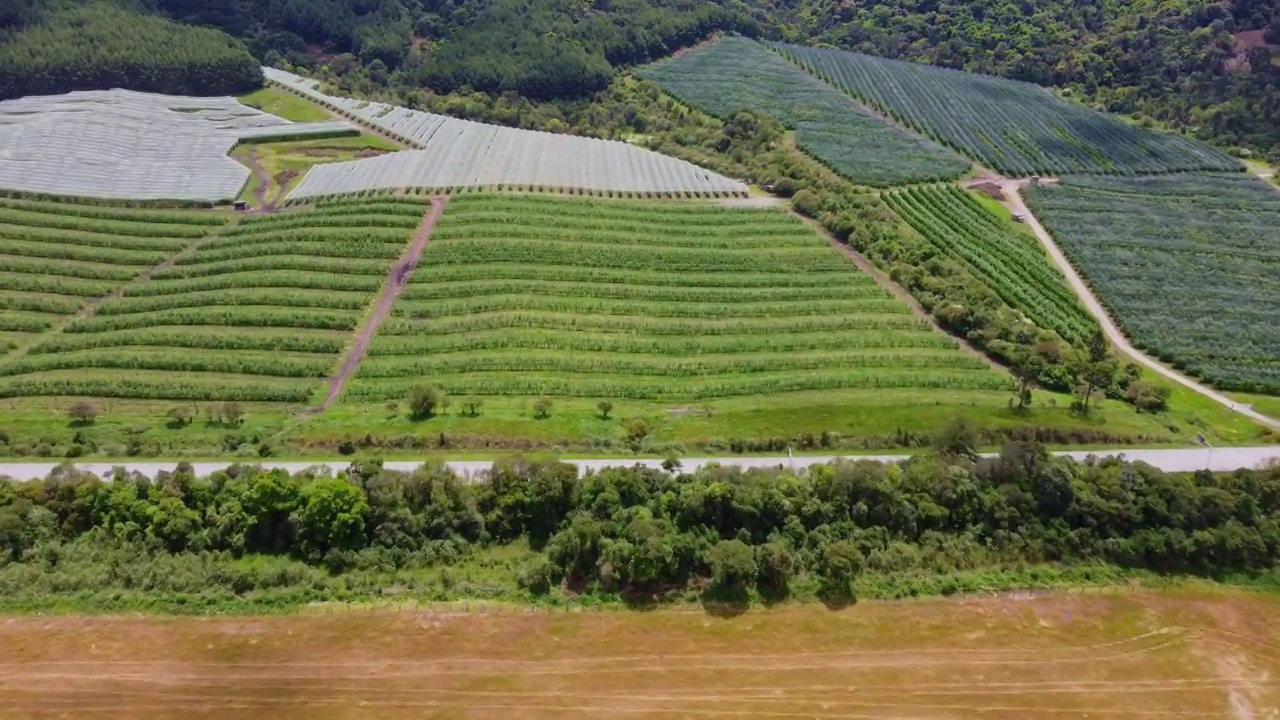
[(1209, 66), (633, 533), (128, 49)]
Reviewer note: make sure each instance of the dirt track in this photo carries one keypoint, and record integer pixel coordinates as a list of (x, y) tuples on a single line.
[(264, 182), (1011, 189), (395, 283), (1102, 657)]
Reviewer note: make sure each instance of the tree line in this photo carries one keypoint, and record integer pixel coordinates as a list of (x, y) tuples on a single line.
[(102, 46), (641, 533)]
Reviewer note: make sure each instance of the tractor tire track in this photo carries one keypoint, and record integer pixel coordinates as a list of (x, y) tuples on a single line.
[(395, 283), (264, 182)]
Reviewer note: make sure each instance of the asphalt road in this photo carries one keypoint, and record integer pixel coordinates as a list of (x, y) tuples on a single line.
[(1185, 459)]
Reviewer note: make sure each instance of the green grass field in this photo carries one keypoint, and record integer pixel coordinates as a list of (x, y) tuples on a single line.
[(285, 104)]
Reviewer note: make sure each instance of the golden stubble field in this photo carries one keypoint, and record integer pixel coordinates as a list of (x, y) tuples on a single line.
[(1097, 656)]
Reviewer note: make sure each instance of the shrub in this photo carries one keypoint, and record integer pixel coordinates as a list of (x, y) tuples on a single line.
[(84, 411), (425, 400), (542, 408)]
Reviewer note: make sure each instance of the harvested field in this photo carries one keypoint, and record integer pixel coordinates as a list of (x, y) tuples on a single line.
[(1075, 656)]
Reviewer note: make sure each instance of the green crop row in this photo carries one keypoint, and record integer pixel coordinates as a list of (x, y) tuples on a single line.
[(665, 388), (13, 216), (263, 297), (675, 346), (471, 252), (587, 364), (268, 364), (293, 221), (552, 209), (391, 201), (91, 239), (732, 239), (300, 261), (672, 277), (232, 316), (20, 282), (127, 385), (35, 302), (1010, 263), (251, 279), (656, 293), (13, 322), (101, 212), (53, 251), (366, 249), (200, 338), (605, 306), (650, 326), (66, 268)]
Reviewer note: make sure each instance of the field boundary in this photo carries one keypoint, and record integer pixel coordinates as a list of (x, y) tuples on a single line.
[(886, 282), (396, 280), (1012, 191)]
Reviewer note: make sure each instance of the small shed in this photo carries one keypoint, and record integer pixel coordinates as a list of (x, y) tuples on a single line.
[(241, 206)]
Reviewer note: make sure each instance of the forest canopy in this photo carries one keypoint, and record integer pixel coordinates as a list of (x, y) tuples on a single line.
[(101, 46)]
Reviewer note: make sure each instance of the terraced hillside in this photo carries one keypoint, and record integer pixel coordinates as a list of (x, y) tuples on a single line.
[(1017, 128), (1011, 263), (528, 295), (1188, 265), (735, 73), (260, 312), (57, 258)]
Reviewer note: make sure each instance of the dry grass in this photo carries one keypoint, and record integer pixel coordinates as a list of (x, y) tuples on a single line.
[(1094, 656)]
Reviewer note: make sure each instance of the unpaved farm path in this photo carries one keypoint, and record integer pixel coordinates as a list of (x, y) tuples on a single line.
[(395, 283), (264, 181), (1013, 196)]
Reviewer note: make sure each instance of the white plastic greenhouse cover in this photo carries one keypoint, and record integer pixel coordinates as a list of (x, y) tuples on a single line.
[(120, 144), (461, 153)]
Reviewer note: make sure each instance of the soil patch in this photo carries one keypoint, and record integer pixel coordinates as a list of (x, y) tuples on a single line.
[(1100, 656)]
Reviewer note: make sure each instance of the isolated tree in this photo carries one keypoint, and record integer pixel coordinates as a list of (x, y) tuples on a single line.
[(959, 439), (733, 565), (637, 430), (777, 563), (425, 400), (839, 563), (84, 411), (605, 407), (393, 407), (1025, 367), (232, 412), (1094, 369), (181, 415), (671, 463), (542, 408), (472, 406)]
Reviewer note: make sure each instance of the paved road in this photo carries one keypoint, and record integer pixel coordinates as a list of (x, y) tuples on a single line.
[(1117, 338), (1183, 459)]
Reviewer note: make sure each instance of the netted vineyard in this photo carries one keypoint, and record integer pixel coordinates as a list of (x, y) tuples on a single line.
[(1017, 128), (1189, 266), (1011, 263), (736, 73), (57, 258), (261, 312), (117, 144), (454, 154), (532, 295)]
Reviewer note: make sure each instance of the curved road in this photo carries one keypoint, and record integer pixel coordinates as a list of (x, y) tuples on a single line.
[(1011, 190), (1173, 460)]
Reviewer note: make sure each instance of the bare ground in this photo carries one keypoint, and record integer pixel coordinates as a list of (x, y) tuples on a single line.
[(390, 290), (1096, 656)]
